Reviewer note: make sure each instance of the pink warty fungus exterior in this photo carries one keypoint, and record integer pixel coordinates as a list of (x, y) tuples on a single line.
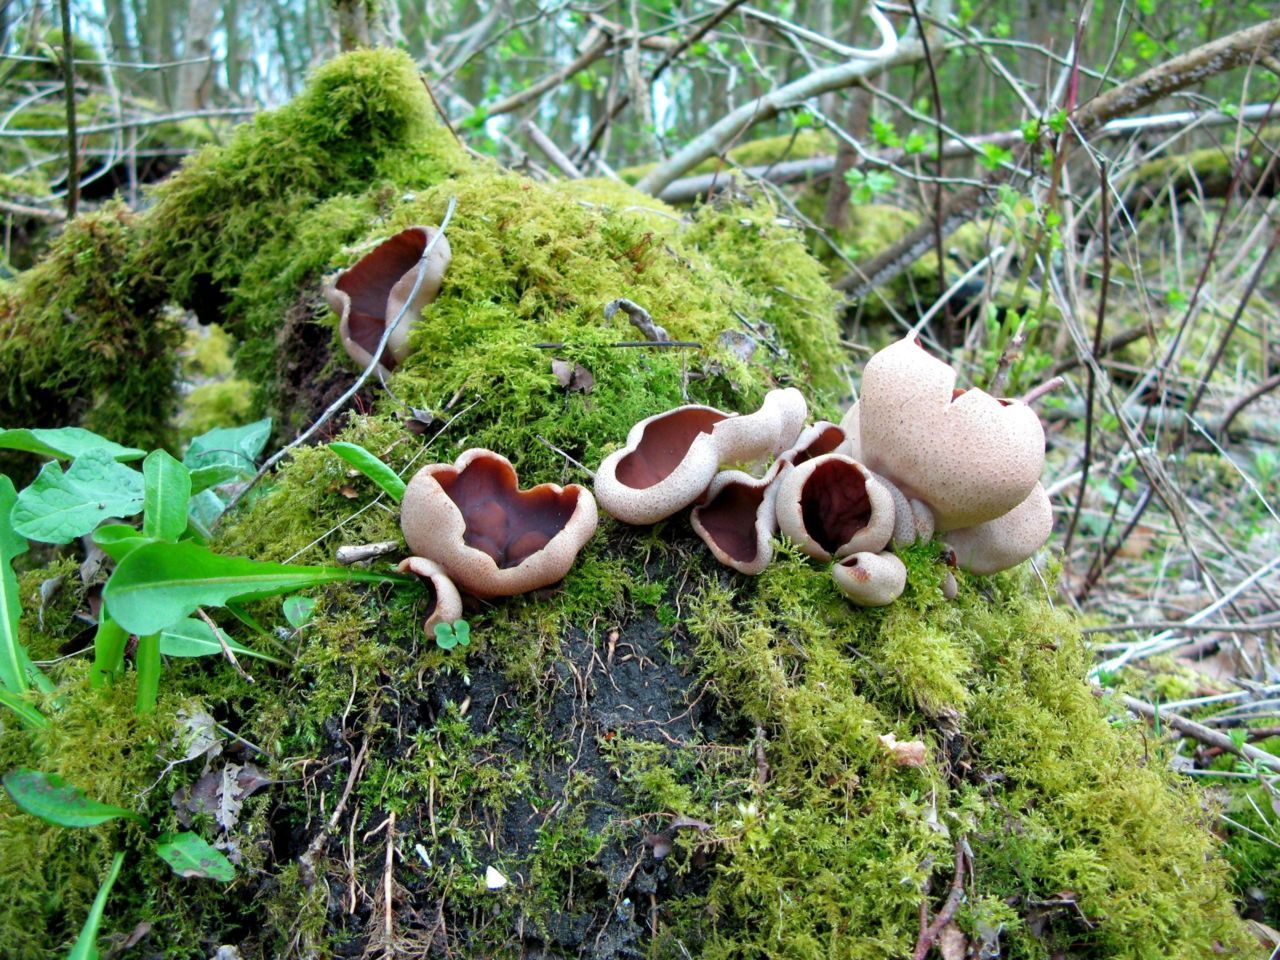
[(832, 506), (967, 455), (446, 602), (870, 579), (670, 459)]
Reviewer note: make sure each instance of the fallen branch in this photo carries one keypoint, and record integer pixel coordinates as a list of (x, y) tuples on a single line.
[(1198, 731), (1234, 410), (688, 189), (595, 48)]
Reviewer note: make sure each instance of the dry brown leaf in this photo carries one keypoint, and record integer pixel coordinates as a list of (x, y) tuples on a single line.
[(573, 378), (906, 753), (951, 943)]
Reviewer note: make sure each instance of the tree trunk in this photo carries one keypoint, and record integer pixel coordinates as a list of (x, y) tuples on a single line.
[(195, 80), (353, 24)]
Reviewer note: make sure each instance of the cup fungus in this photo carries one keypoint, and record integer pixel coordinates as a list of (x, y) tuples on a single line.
[(815, 440), (737, 519), (851, 424), (446, 602), (832, 506), (492, 538), (870, 579), (370, 294), (670, 459), (1007, 540), (967, 455)]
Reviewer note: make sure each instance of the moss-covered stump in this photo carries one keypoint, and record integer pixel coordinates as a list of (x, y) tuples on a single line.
[(657, 757)]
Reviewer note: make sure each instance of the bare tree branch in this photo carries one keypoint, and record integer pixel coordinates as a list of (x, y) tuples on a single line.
[(597, 45), (1196, 65), (891, 53)]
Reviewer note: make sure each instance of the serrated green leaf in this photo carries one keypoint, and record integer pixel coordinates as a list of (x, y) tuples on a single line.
[(167, 489), (29, 716), (202, 478), (118, 540), (188, 855), (52, 799), (64, 443), (86, 945), (195, 638), (299, 610), (58, 507), (232, 446), (161, 583), (373, 468)]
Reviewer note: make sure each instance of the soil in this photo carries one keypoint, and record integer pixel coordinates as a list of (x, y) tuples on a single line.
[(589, 694)]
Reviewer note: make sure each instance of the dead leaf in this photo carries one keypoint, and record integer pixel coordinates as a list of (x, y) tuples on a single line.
[(221, 793), (575, 378), (230, 798), (418, 422), (951, 943), (907, 753), (348, 491), (48, 590), (739, 344), (688, 823), (197, 737)]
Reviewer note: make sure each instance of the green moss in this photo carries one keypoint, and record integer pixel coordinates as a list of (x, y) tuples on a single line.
[(650, 684), (227, 403), (83, 340)]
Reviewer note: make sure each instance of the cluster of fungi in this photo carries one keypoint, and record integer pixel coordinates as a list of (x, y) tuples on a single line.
[(913, 458)]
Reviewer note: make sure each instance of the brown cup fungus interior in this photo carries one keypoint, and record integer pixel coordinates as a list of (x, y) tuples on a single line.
[(369, 284), (835, 504), (827, 440), (663, 446), (730, 518), (500, 520)]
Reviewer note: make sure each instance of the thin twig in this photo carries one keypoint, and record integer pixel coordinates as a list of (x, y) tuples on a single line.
[(930, 934), (307, 862), (1091, 378), (589, 472), (950, 336), (1260, 390), (69, 79), (348, 554), (1261, 625), (226, 650)]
